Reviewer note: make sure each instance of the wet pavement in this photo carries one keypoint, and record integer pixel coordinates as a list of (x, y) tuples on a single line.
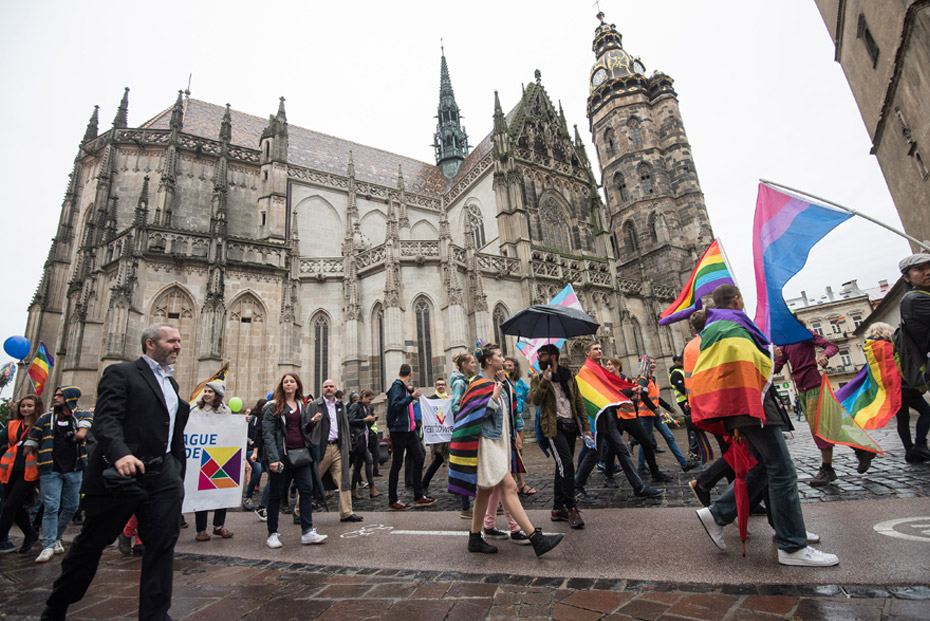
[(634, 560)]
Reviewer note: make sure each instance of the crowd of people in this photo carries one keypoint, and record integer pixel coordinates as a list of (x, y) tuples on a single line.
[(127, 455)]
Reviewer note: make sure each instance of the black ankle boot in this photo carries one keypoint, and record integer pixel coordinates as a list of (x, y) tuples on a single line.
[(477, 544), (543, 543), (920, 449)]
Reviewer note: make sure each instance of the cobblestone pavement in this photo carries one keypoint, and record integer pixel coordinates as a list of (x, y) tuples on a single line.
[(207, 588)]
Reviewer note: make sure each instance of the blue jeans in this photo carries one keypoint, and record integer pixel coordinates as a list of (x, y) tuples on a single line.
[(255, 479), (650, 422), (60, 490), (776, 469)]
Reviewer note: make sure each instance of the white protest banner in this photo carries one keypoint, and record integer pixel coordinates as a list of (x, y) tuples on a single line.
[(437, 420), (215, 446)]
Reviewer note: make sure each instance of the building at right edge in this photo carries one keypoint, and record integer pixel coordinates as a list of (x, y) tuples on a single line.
[(884, 49)]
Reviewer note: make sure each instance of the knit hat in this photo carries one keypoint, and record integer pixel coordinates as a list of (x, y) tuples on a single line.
[(219, 387), (71, 395)]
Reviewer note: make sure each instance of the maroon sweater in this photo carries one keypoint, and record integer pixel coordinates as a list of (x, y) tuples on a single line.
[(803, 360)]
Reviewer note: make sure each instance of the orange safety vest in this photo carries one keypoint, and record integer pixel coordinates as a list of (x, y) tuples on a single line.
[(9, 457), (690, 356), (653, 396)]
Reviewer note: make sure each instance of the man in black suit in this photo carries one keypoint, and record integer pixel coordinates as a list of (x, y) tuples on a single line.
[(329, 432), (139, 428)]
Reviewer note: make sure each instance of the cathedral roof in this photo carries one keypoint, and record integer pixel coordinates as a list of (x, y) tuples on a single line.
[(311, 149)]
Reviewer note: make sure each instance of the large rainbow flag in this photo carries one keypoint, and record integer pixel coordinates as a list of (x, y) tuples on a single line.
[(39, 369), (600, 390), (463, 449), (710, 272), (831, 423), (785, 228), (733, 371), (874, 395), (530, 348)]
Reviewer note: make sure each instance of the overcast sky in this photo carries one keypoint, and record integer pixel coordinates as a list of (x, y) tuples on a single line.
[(758, 88)]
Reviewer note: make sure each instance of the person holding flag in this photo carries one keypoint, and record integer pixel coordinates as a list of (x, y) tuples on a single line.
[(730, 392)]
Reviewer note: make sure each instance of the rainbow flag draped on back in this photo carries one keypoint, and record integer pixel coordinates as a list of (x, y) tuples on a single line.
[(733, 371), (831, 423), (600, 390), (463, 449), (566, 297), (784, 230), (710, 272), (874, 395), (40, 367)]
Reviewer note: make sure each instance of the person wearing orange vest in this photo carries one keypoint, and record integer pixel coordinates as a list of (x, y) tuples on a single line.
[(647, 409), (18, 473)]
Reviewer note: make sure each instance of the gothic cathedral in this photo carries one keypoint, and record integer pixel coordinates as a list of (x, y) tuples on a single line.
[(279, 248)]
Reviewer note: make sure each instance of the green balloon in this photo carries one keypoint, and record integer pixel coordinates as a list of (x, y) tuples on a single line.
[(235, 404)]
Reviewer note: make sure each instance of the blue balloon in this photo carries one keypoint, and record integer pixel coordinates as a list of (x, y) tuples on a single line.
[(270, 395), (17, 347)]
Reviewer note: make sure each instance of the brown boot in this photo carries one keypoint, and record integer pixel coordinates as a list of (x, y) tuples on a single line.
[(372, 492), (355, 494)]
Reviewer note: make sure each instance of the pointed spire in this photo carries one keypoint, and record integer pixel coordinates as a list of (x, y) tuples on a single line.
[(142, 207), (450, 139), (400, 177), (500, 123), (121, 120), (578, 142), (562, 117), (350, 170), (226, 126), (177, 113), (91, 132), (281, 117)]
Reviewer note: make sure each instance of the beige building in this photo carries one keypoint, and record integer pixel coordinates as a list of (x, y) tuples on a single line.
[(279, 248), (884, 49)]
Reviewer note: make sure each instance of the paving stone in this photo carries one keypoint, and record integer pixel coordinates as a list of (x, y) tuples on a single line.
[(661, 597), (469, 609), (357, 610), (109, 608), (600, 601), (419, 609), (225, 609), (901, 610), (703, 606), (471, 589), (776, 604), (910, 592), (285, 609), (503, 598), (430, 590), (503, 612), (563, 612), (345, 591), (535, 612), (641, 608), (339, 579)]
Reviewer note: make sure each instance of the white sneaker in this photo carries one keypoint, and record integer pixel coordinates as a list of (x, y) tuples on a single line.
[(273, 541), (714, 530), (45, 555), (811, 537), (59, 547), (312, 537), (808, 557)]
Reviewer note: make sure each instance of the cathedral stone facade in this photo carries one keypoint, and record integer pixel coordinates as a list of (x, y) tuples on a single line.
[(278, 248)]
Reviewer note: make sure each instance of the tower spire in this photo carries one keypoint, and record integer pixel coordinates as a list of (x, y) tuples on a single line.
[(450, 139), (121, 120), (91, 132)]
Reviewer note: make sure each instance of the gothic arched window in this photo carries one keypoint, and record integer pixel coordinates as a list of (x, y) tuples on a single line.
[(475, 223), (620, 184), (630, 238), (653, 231), (320, 353), (555, 232), (424, 343), (377, 337), (610, 142), (638, 344), (636, 133), (500, 315), (645, 179)]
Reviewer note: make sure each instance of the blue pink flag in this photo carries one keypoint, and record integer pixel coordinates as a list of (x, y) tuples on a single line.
[(566, 297), (785, 228)]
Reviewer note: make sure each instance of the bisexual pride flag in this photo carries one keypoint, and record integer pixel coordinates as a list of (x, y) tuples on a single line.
[(785, 228), (530, 348), (710, 272)]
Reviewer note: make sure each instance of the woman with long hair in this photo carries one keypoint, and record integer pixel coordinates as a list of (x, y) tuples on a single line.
[(211, 403), (482, 447), (360, 415), (286, 437), (522, 389), (18, 473), (465, 369)]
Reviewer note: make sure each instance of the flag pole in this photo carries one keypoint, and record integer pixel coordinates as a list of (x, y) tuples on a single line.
[(922, 244), (726, 261)]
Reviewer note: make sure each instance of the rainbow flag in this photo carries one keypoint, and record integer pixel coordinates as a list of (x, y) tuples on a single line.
[(566, 297), (466, 430), (710, 272), (733, 371), (874, 395), (198, 390), (600, 390), (42, 363), (784, 230), (833, 424)]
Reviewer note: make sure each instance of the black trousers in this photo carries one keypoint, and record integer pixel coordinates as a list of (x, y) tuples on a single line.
[(361, 457), (563, 448), (405, 442), (409, 466), (633, 427), (15, 495), (105, 518), (374, 447)]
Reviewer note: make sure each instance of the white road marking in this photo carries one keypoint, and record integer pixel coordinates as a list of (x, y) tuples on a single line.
[(429, 532), (890, 528)]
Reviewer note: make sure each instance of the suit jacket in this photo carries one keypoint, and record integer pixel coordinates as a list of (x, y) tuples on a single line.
[(319, 436), (131, 418)]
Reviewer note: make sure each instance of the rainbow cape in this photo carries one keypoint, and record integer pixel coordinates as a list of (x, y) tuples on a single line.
[(833, 424), (733, 371), (784, 230), (463, 449), (710, 272), (39, 369), (874, 395), (600, 390), (529, 348)]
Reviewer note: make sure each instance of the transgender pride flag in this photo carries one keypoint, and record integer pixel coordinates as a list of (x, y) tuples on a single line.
[(785, 228), (565, 297)]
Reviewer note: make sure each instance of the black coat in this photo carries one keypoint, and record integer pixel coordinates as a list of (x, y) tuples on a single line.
[(131, 418)]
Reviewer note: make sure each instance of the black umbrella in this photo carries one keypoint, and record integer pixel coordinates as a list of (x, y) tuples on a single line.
[(549, 321)]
